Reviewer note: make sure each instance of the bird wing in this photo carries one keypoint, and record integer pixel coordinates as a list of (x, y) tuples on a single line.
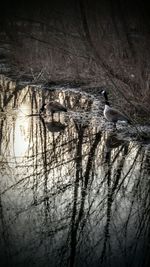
[(116, 114), (56, 106)]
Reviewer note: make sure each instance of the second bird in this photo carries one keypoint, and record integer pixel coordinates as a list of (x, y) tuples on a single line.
[(112, 114), (52, 107)]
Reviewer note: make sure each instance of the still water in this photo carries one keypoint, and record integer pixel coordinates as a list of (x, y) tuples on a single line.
[(72, 191)]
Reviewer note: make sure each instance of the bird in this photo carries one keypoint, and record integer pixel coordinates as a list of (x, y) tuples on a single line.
[(112, 141), (112, 114), (53, 126), (52, 107)]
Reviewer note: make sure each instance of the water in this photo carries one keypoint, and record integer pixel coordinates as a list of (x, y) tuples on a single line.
[(72, 191)]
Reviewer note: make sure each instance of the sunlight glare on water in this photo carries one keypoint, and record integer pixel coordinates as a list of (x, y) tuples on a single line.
[(20, 132)]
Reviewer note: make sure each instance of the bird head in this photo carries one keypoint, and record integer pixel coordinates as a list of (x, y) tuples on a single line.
[(42, 108), (102, 92), (105, 95)]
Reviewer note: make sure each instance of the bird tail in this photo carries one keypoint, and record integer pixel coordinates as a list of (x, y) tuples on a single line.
[(64, 109)]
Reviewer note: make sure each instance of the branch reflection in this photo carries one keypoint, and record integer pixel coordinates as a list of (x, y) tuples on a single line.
[(71, 193)]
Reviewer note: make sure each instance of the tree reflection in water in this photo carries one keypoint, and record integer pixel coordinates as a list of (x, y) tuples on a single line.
[(71, 194)]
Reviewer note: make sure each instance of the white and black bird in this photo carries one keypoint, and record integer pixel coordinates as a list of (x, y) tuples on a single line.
[(52, 107), (112, 114)]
